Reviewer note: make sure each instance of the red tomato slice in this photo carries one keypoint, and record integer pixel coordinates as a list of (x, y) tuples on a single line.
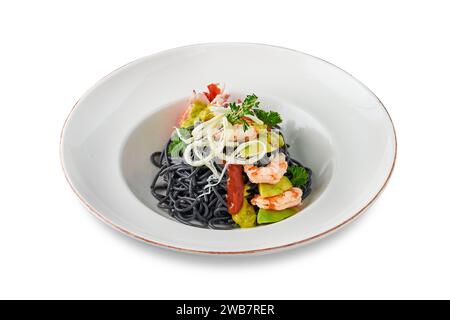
[(235, 188), (214, 90)]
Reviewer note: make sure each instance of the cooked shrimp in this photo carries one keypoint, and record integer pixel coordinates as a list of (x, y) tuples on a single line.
[(288, 199), (272, 173), (237, 133)]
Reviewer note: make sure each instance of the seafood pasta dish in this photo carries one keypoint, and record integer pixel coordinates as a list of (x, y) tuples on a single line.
[(227, 165)]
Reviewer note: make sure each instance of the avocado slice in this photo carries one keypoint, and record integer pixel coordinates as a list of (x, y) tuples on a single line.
[(269, 190), (273, 141), (246, 217), (271, 216), (198, 111)]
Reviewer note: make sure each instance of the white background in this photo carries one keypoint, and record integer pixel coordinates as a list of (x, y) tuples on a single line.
[(52, 51)]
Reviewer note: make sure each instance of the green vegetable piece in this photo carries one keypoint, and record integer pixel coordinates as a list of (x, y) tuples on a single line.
[(275, 141), (271, 216), (298, 175), (246, 217), (269, 190), (177, 146)]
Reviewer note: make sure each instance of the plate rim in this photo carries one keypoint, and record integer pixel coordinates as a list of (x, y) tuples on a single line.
[(294, 244)]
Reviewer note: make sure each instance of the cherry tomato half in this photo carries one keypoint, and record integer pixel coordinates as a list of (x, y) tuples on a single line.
[(214, 90)]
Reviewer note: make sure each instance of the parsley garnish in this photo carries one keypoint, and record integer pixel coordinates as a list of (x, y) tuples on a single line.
[(270, 118), (239, 111), (250, 102), (249, 107), (298, 175)]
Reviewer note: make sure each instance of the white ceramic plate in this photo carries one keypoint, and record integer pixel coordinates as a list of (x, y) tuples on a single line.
[(335, 125)]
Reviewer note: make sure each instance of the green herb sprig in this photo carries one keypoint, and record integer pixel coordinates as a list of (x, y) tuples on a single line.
[(298, 175), (270, 118), (239, 111), (250, 107)]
